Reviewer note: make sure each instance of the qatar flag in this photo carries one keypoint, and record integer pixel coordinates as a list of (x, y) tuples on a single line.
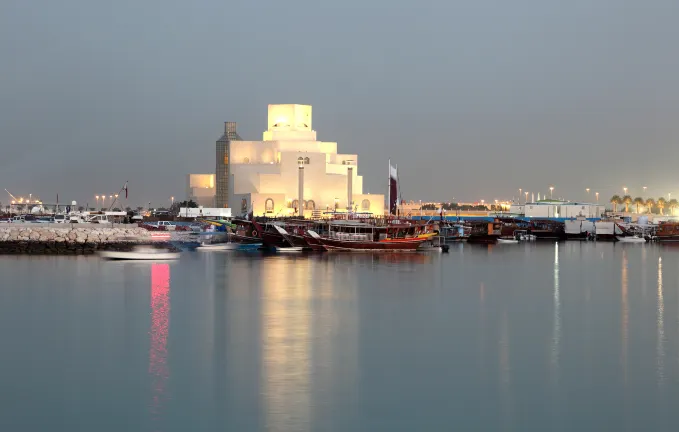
[(393, 189)]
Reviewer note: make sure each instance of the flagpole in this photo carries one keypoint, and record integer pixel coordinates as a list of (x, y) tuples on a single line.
[(389, 189)]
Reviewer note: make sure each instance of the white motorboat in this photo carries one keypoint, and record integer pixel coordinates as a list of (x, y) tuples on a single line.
[(140, 253), (436, 244), (507, 241), (631, 239), (218, 247)]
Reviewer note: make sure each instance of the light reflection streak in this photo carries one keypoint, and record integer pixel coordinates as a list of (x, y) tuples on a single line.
[(556, 330), (505, 369), (660, 347), (160, 319), (286, 344), (625, 314)]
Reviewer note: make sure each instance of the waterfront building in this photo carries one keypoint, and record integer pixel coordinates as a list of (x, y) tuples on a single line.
[(558, 209), (200, 188), (289, 172)]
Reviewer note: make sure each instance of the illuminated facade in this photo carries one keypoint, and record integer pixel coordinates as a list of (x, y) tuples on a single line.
[(271, 177), (200, 188)]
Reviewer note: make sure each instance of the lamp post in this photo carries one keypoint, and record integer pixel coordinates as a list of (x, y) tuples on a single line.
[(520, 193), (597, 196), (551, 189), (644, 188), (625, 190), (96, 197), (587, 189), (526, 198)]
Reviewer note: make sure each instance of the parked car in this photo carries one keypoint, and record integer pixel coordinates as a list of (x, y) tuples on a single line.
[(160, 226)]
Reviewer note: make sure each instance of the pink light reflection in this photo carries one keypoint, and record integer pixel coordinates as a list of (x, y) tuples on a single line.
[(160, 319)]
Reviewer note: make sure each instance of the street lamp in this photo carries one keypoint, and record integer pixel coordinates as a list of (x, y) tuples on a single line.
[(172, 199), (644, 187), (551, 189), (625, 189), (587, 189), (525, 200), (597, 196), (97, 198), (520, 193)]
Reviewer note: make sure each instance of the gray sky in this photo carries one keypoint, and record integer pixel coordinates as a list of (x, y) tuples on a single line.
[(472, 99)]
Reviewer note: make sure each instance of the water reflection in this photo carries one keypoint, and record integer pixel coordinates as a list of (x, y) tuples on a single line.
[(556, 326), (286, 340), (505, 369), (660, 340), (625, 314), (160, 319)]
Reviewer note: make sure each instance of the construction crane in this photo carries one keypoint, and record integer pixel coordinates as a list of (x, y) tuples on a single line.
[(13, 197)]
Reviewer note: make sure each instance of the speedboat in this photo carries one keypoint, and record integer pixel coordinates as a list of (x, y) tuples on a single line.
[(631, 239), (218, 247), (140, 253), (507, 241)]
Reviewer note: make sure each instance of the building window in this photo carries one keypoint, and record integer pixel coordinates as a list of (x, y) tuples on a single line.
[(365, 204), (344, 162), (268, 205), (310, 205), (226, 159), (246, 160), (306, 161)]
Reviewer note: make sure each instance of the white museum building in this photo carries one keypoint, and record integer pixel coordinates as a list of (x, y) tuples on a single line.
[(290, 171)]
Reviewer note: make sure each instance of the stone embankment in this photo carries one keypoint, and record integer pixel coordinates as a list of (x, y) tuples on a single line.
[(32, 239)]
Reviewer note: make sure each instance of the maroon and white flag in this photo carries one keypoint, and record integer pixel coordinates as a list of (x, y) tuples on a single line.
[(393, 189)]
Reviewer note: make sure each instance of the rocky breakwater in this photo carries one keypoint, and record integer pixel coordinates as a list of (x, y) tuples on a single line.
[(32, 239)]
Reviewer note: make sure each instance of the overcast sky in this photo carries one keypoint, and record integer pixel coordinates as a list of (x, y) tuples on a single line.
[(472, 99)]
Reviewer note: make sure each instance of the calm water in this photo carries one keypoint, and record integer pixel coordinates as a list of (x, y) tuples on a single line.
[(539, 337)]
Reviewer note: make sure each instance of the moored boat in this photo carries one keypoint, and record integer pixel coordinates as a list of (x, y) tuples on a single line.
[(667, 232), (146, 253), (246, 232), (631, 239), (348, 235), (485, 232)]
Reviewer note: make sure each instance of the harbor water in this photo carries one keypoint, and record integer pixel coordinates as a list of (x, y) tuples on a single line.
[(530, 337)]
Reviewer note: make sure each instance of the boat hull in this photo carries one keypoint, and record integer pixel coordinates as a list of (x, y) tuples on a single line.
[(139, 256), (274, 240), (314, 244), (631, 239), (237, 238), (396, 245), (483, 238)]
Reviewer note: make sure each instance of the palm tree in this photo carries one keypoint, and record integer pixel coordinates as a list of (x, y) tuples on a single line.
[(638, 201), (650, 203), (615, 200), (673, 204), (627, 200), (661, 204)]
